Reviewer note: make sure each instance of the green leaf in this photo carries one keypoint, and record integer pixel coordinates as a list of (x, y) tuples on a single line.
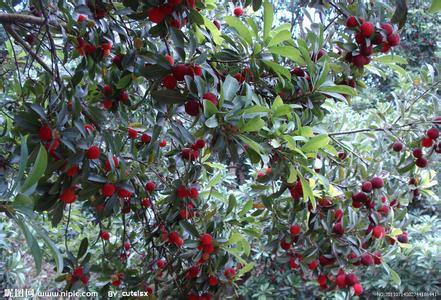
[(340, 89), (253, 125), (190, 228), (232, 203), (278, 69), (289, 52), (252, 144), (307, 191), (215, 180), (435, 7), (230, 87), (23, 203), (241, 29), (390, 59), (32, 243), (246, 269), (52, 247), (292, 174), (124, 82), (315, 143), (209, 108), (196, 17), (280, 37), (83, 248), (168, 97), (37, 170), (246, 208), (215, 33), (268, 16)]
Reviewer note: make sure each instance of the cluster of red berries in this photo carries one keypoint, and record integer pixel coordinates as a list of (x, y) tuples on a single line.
[(133, 134), (86, 49), (175, 238), (342, 280), (206, 246), (194, 107), (428, 141), (168, 11), (179, 71), (366, 188), (370, 39), (192, 153), (112, 96), (49, 139), (78, 274)]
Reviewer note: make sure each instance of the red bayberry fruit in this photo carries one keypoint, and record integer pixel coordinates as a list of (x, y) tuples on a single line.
[(150, 186), (193, 193), (338, 214), (84, 279), (162, 143), (93, 152), (238, 11), (81, 18), (156, 15), (285, 245), (358, 289), (366, 50), (298, 72), (360, 197), (68, 196), (123, 193), (321, 279), (338, 228), (367, 187), (377, 257), (340, 280), (230, 273), (212, 98), (169, 82), (206, 239), (175, 23), (351, 22), (117, 59), (107, 90), (108, 190), (295, 229), (367, 29), (397, 146), (146, 203), (107, 104), (200, 143), (107, 165), (105, 235), (72, 171), (427, 142), (360, 60), (170, 59), (393, 39), (403, 238), (192, 107), (377, 182), (212, 280), (175, 239), (123, 97), (145, 138), (45, 133), (182, 192), (217, 24), (385, 47), (367, 259), (417, 153), (78, 271), (160, 263), (293, 264), (433, 133), (132, 133), (378, 232), (313, 265), (421, 162), (239, 77), (180, 70), (388, 28)]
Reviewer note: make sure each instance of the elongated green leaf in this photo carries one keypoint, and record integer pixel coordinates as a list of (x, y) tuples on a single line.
[(307, 191), (289, 52), (168, 97), (278, 69), (246, 269), (389, 59), (190, 228), (341, 89), (255, 124), (315, 143), (268, 16), (44, 235), (37, 170), (280, 37), (230, 87), (215, 34), (246, 208), (232, 203), (32, 243), (240, 27)]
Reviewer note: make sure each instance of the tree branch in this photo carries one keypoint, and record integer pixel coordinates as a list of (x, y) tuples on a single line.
[(24, 19)]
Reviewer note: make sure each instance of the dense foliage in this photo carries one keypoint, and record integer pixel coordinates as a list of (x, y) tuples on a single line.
[(194, 150)]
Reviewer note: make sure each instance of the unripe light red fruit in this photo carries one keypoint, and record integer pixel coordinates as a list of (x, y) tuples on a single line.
[(421, 162), (338, 228), (433, 133), (105, 235), (358, 289), (192, 107), (150, 186), (212, 280), (378, 232), (426, 142), (212, 98), (169, 82), (108, 167), (367, 187), (45, 133), (108, 190), (206, 239), (397, 146), (367, 259), (388, 28), (156, 15), (132, 133), (393, 39), (68, 196), (93, 152), (377, 182), (238, 11), (295, 229), (351, 22), (367, 29), (107, 90)]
